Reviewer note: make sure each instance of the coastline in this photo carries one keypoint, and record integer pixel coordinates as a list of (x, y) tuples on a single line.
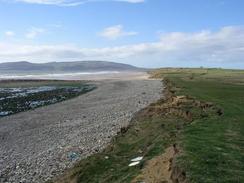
[(42, 143)]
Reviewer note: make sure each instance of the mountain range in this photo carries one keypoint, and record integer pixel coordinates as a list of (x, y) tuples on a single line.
[(25, 67)]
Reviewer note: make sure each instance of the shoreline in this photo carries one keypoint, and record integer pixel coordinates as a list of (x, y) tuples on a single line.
[(42, 143), (93, 76)]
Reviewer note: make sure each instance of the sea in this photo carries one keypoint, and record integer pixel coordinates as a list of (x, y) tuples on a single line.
[(76, 75)]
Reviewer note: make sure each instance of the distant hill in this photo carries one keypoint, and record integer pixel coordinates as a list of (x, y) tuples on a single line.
[(63, 67)]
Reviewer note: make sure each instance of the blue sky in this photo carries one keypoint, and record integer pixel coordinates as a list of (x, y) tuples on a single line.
[(150, 33)]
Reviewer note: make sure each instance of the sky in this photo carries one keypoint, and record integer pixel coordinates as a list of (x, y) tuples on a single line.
[(145, 33)]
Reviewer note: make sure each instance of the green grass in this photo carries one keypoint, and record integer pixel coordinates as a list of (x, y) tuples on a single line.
[(214, 146)]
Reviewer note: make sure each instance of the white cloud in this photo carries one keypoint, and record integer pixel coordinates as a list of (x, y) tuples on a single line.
[(115, 32), (220, 48), (73, 2), (34, 32), (9, 33)]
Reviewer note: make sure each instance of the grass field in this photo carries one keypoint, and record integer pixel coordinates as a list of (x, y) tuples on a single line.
[(213, 146), (203, 115), (22, 95)]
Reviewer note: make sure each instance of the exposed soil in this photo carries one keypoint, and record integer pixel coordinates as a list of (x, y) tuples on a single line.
[(158, 169), (163, 168)]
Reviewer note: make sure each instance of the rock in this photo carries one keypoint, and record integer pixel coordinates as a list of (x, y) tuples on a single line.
[(58, 135)]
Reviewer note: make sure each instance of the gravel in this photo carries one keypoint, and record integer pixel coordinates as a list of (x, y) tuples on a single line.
[(40, 144)]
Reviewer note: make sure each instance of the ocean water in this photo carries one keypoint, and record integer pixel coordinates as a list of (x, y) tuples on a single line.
[(56, 75)]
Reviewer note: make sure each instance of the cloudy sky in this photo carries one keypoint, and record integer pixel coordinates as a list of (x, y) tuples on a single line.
[(148, 33)]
